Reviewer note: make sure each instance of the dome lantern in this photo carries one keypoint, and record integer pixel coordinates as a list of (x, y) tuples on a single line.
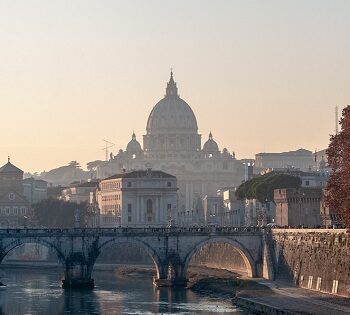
[(171, 89)]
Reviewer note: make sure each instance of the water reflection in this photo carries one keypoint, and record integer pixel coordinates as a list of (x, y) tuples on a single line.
[(39, 292)]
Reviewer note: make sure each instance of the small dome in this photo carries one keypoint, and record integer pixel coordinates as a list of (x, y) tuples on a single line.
[(225, 153), (133, 146), (210, 146)]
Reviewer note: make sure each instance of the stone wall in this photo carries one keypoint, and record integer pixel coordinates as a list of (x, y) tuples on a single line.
[(220, 256), (316, 259)]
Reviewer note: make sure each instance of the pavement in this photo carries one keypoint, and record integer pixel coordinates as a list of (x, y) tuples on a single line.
[(297, 300)]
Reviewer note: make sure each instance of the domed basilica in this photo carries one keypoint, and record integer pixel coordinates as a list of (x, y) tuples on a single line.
[(172, 144)]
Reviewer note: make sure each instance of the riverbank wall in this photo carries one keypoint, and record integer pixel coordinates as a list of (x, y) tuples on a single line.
[(260, 308), (316, 259)]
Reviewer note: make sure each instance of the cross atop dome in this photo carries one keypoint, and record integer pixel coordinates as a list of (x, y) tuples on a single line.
[(171, 88)]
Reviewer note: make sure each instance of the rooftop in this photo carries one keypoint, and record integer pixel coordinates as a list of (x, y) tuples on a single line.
[(10, 168), (141, 174), (300, 152)]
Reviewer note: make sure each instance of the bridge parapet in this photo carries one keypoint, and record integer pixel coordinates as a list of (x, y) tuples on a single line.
[(96, 232)]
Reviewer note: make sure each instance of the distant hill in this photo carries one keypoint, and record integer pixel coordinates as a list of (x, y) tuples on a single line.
[(63, 175)]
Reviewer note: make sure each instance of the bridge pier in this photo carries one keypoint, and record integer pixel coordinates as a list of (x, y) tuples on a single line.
[(78, 275), (171, 275)]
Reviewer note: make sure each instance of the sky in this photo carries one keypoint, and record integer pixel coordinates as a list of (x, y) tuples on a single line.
[(263, 76)]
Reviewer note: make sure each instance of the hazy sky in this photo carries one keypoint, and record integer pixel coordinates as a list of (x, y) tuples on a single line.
[(262, 75)]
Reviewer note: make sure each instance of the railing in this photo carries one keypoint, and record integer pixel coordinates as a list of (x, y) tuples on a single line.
[(127, 231)]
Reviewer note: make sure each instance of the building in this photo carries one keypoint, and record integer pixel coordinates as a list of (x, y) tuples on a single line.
[(213, 210), (298, 207), (233, 211), (257, 213), (172, 144), (138, 198), (79, 191), (14, 207), (308, 179), (34, 190), (300, 159)]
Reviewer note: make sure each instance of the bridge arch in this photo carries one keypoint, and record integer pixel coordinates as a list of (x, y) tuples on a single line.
[(247, 258), (30, 240), (136, 241)]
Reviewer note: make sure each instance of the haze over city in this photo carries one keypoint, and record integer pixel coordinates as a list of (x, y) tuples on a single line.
[(174, 157), (262, 76)]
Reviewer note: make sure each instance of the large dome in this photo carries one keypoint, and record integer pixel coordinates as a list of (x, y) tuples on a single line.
[(171, 114)]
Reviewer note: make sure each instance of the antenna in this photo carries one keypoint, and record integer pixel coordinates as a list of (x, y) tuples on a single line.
[(336, 120), (108, 145), (315, 159)]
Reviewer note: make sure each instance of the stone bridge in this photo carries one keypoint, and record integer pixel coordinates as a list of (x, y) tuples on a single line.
[(171, 249)]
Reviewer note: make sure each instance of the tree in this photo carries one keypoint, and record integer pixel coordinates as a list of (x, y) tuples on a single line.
[(338, 186), (74, 164), (57, 213), (262, 187)]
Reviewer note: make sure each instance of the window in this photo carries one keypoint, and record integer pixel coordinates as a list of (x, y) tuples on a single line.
[(307, 183), (129, 218), (129, 184), (129, 207), (149, 206), (15, 210)]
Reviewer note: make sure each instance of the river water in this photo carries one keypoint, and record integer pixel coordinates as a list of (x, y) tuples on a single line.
[(39, 292)]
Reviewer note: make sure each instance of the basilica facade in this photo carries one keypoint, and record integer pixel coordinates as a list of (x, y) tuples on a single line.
[(172, 144)]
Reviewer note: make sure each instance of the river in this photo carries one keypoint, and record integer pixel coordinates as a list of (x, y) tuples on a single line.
[(38, 292)]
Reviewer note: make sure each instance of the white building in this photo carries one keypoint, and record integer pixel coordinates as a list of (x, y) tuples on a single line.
[(138, 198), (233, 208), (79, 192), (172, 144), (300, 159)]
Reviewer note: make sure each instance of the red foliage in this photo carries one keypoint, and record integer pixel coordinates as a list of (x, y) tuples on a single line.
[(338, 186)]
